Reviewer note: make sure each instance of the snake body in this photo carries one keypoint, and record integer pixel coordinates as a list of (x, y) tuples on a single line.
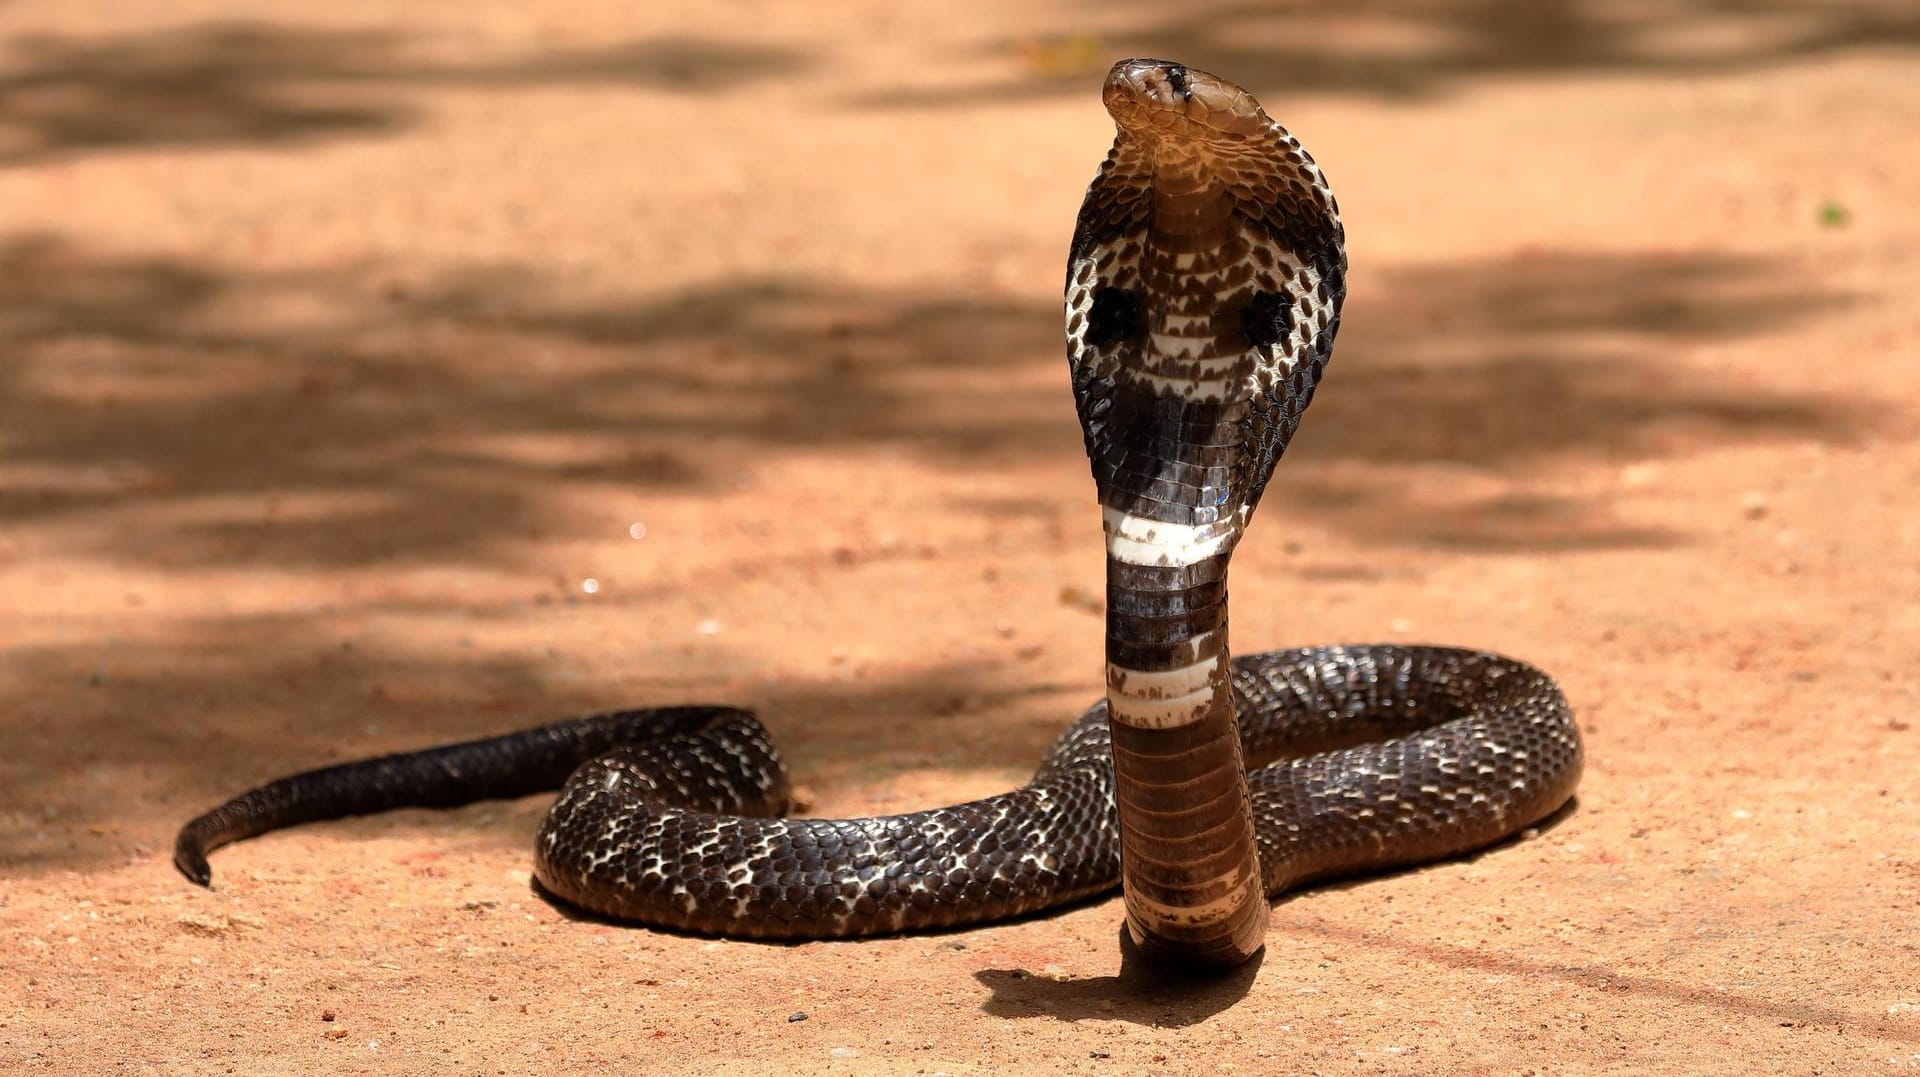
[(1203, 293)]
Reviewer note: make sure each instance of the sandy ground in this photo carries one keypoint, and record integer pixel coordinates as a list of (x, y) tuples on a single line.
[(340, 345)]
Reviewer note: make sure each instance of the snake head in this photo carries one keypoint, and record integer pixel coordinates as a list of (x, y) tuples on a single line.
[(1153, 97)]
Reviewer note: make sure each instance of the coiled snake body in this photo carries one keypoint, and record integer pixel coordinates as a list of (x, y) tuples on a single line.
[(1203, 293)]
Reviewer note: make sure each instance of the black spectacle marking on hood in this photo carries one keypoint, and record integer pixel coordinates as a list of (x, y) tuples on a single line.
[(1267, 318), (1118, 314)]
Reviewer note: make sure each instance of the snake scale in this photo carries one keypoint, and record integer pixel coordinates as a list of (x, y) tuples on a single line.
[(1203, 294)]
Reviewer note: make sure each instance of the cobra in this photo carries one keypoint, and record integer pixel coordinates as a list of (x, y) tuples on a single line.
[(1203, 294)]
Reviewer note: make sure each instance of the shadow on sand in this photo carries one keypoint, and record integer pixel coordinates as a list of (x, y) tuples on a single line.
[(182, 416), (252, 83), (1413, 49)]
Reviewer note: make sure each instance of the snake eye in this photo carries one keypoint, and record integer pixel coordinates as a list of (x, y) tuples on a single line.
[(1267, 318), (1118, 314)]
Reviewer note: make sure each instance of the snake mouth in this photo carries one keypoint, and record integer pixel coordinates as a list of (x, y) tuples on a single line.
[(1160, 98)]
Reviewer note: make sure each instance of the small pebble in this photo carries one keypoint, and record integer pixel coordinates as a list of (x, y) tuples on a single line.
[(637, 530), (796, 1017), (1639, 476), (1082, 599)]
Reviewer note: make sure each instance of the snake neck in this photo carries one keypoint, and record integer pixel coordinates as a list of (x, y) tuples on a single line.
[(1190, 869)]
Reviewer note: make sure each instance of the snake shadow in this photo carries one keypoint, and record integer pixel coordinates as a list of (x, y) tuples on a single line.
[(1155, 993), (1144, 992)]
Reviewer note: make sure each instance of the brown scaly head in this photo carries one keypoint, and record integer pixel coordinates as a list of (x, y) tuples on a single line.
[(1203, 294)]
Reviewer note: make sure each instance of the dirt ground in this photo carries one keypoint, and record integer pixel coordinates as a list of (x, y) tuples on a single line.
[(374, 375)]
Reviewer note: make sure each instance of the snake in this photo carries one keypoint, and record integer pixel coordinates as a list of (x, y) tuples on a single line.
[(1204, 284)]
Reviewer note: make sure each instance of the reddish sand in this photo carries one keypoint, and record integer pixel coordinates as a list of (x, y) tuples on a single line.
[(340, 345)]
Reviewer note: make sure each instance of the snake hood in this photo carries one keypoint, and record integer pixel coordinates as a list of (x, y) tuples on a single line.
[(1204, 285)]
